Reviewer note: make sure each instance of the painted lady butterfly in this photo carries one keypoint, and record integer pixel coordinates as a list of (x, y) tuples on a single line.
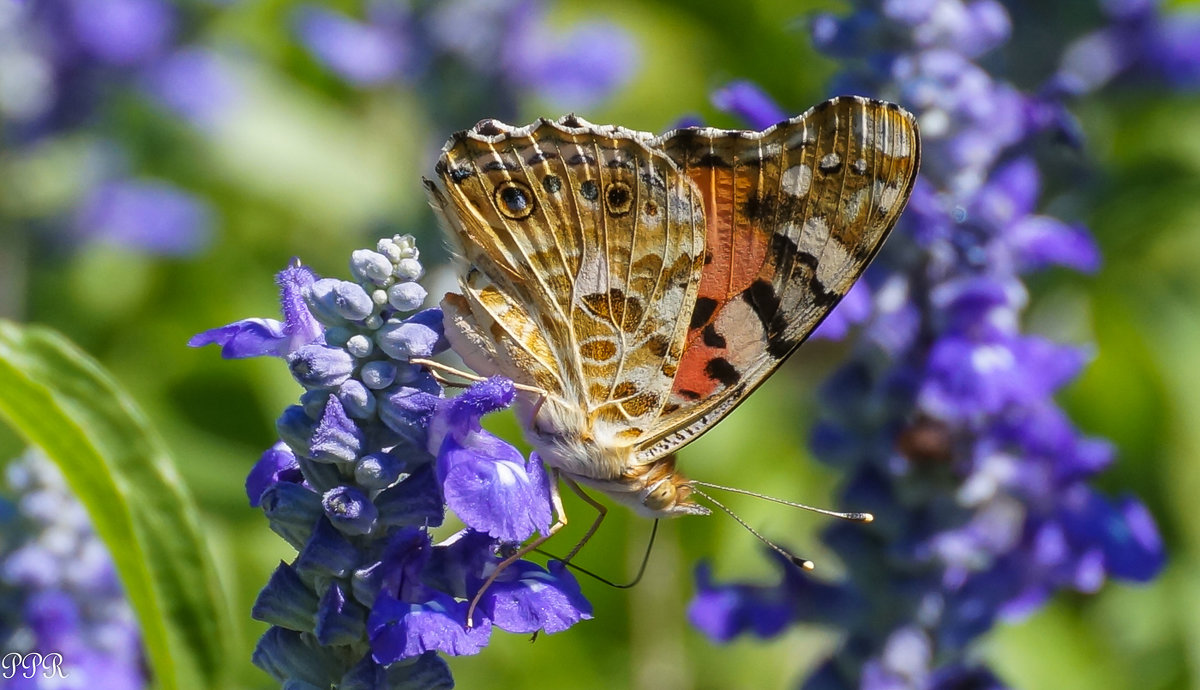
[(639, 287)]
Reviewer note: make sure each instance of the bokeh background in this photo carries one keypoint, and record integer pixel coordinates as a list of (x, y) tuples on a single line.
[(157, 169)]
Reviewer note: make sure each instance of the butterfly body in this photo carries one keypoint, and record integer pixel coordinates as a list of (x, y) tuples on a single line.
[(643, 285)]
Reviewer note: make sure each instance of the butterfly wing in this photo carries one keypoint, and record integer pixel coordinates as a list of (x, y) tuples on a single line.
[(581, 251), (794, 215)]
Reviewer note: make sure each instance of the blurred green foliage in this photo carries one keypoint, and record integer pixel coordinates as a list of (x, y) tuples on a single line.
[(312, 169)]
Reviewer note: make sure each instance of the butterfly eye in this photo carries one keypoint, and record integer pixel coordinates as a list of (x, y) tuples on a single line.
[(514, 199), (618, 198)]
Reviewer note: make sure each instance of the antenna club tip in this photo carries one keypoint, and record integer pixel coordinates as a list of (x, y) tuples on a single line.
[(867, 517), (803, 563)]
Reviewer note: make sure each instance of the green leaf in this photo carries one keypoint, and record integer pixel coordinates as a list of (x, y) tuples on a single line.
[(59, 399)]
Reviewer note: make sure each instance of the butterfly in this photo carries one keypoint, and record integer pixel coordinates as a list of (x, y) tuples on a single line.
[(637, 288)]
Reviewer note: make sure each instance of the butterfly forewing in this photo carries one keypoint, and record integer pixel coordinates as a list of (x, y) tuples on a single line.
[(794, 215), (582, 249)]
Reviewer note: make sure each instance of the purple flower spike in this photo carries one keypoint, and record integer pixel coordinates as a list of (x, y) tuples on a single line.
[(61, 590), (578, 69), (369, 460)]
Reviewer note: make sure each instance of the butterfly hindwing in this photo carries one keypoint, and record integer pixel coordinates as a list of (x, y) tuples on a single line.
[(582, 250), (794, 215)]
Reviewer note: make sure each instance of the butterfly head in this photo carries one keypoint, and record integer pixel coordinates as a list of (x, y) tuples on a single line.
[(667, 496)]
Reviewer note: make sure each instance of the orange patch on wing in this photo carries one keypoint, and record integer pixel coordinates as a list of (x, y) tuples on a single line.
[(691, 375), (737, 253), (737, 248)]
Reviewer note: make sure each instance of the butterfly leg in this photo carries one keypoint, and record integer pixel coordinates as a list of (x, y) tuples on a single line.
[(601, 509), (556, 502), (432, 366)]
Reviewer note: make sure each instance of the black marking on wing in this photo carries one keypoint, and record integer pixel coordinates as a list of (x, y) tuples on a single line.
[(719, 369), (703, 311), (539, 157), (711, 338)]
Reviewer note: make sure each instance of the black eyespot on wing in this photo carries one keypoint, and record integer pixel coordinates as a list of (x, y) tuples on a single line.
[(618, 198), (514, 199), (589, 190), (552, 183)]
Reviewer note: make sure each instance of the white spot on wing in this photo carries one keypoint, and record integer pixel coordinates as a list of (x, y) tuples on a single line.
[(885, 196), (814, 236), (832, 262), (797, 180)]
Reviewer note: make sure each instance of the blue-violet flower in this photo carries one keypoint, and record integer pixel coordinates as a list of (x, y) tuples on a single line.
[(368, 463)]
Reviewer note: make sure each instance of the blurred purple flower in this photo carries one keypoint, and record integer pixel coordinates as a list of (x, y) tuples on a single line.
[(360, 53), (60, 589), (61, 61), (945, 421), (153, 216), (194, 83), (502, 48), (1142, 43), (122, 32), (572, 70)]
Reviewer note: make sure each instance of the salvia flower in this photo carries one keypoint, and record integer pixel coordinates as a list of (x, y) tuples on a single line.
[(60, 591), (944, 420), (368, 462)]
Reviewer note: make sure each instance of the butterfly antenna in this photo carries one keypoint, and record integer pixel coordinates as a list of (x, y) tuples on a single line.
[(636, 578), (802, 563), (853, 517)]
